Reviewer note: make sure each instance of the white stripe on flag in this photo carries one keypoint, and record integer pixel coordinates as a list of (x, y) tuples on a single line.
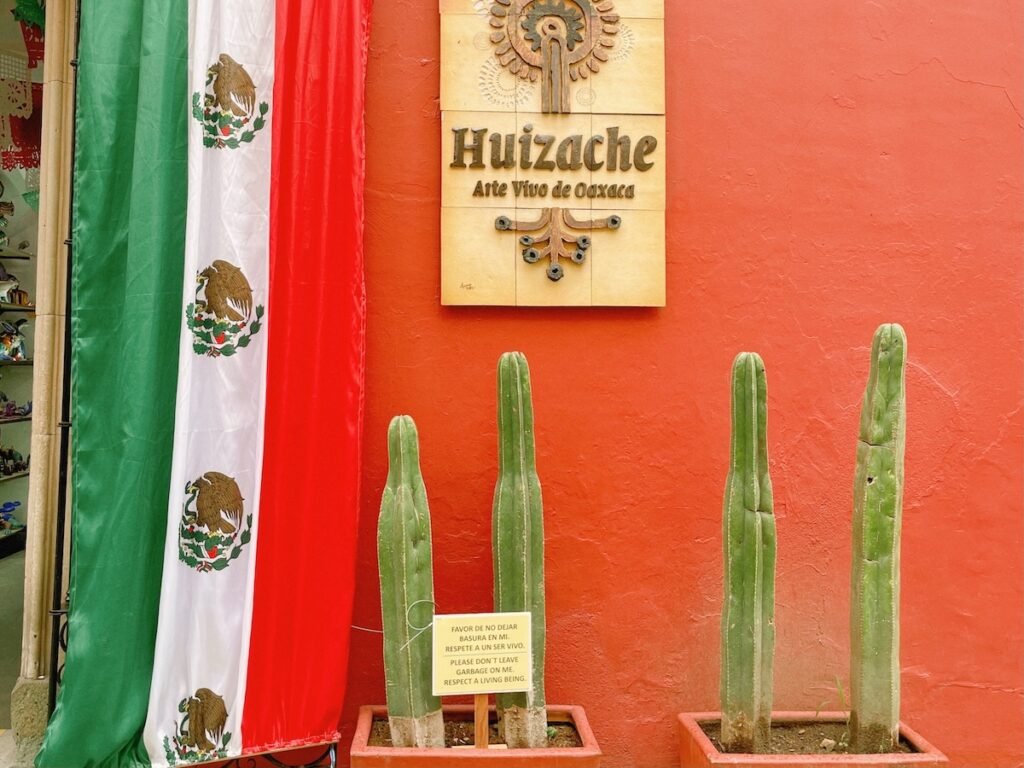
[(202, 647)]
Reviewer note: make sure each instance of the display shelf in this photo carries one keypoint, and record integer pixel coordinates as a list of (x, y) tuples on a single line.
[(16, 362), (15, 476), (8, 307), (14, 256), (14, 419)]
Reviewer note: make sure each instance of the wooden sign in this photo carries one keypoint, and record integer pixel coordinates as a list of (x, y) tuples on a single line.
[(482, 653), (553, 152)]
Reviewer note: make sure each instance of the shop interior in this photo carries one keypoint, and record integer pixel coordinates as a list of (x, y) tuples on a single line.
[(21, 86)]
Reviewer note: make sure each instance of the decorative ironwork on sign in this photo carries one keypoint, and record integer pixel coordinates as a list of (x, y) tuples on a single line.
[(554, 41), (555, 236)]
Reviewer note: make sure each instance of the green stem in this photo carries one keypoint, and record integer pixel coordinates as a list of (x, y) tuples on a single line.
[(407, 594), (748, 522), (518, 542), (877, 518)]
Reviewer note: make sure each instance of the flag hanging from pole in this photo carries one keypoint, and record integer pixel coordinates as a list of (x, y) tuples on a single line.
[(257, 523)]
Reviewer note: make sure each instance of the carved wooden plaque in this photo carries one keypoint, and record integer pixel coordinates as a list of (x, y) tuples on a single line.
[(553, 152)]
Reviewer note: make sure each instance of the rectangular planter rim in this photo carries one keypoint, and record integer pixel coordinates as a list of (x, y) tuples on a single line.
[(361, 747), (926, 752)]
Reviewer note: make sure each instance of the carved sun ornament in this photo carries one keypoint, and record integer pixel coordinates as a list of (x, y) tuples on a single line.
[(555, 42)]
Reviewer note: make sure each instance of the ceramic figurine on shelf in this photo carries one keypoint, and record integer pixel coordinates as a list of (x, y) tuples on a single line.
[(9, 409), (12, 341), (7, 520), (12, 462), (19, 297), (10, 289), (6, 211), (8, 285)]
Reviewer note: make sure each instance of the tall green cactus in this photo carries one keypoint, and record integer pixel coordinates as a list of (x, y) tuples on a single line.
[(748, 614), (407, 594), (518, 542), (877, 514)]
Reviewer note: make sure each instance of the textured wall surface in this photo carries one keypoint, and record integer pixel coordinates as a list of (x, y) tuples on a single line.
[(833, 165)]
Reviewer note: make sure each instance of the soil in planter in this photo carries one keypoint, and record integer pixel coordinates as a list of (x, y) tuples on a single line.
[(802, 739), (459, 733)]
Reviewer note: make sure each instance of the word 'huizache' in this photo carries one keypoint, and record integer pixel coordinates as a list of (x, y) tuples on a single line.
[(544, 152)]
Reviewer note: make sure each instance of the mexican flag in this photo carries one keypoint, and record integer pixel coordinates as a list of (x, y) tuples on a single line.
[(217, 325)]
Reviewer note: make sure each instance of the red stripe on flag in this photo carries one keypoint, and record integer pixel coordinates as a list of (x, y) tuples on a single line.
[(305, 549)]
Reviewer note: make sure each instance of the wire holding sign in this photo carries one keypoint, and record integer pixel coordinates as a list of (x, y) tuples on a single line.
[(556, 235), (482, 653)]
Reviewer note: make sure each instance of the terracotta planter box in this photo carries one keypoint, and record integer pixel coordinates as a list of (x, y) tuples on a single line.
[(365, 756), (696, 750)]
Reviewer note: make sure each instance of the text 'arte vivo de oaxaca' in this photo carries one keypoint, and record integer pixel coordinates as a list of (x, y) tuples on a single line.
[(553, 152)]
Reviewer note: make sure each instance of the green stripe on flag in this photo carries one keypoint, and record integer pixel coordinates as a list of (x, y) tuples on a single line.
[(129, 230)]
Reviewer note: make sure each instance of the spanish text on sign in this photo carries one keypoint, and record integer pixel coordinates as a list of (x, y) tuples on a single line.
[(482, 653)]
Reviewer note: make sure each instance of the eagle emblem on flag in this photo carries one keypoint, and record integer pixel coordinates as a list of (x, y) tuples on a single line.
[(200, 735), (222, 319), (214, 528), (227, 108)]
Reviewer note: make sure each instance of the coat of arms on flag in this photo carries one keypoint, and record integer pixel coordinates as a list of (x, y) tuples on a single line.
[(221, 318), (211, 533), (228, 109), (205, 719)]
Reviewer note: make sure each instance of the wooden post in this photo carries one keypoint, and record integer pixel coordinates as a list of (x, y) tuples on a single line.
[(50, 327), (481, 721)]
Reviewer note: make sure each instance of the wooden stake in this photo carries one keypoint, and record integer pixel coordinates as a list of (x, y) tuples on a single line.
[(480, 720)]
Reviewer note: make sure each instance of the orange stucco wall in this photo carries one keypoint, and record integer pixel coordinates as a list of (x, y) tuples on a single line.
[(832, 165)]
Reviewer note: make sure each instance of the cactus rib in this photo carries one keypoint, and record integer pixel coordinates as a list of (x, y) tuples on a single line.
[(748, 614), (407, 594), (518, 542), (877, 517)]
